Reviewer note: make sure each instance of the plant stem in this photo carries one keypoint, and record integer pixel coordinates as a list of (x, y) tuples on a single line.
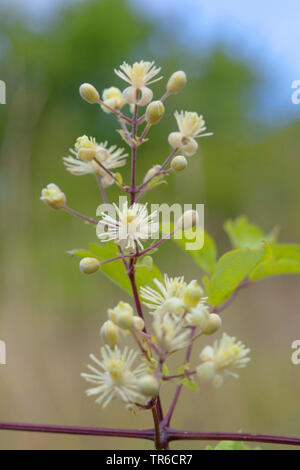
[(87, 431), (80, 216), (175, 435), (178, 389), (102, 190), (156, 420)]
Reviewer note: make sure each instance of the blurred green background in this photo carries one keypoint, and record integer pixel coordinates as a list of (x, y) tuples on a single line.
[(50, 313)]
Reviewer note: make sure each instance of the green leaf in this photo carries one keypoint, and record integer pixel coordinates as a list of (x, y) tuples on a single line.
[(183, 368), (204, 257), (190, 384), (116, 270), (283, 259), (231, 445), (232, 268), (244, 234), (165, 369)]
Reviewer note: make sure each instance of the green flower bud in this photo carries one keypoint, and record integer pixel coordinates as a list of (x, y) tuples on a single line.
[(192, 294), (188, 220), (148, 386), (89, 93), (89, 265), (53, 196), (110, 333), (138, 323), (154, 112), (212, 324), (176, 81), (179, 163)]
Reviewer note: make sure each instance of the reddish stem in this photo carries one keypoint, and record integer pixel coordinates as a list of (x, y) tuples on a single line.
[(175, 435), (110, 432)]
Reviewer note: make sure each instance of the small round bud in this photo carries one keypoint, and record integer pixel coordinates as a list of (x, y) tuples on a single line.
[(192, 294), (154, 112), (199, 316), (89, 265), (110, 333), (124, 320), (138, 323), (53, 196), (148, 386), (188, 220), (89, 93), (179, 163), (176, 81), (86, 154), (212, 324), (206, 371), (120, 308)]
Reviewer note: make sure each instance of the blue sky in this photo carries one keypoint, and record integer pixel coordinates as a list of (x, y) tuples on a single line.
[(266, 33)]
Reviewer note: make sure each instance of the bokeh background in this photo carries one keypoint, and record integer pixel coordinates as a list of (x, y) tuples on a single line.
[(240, 61)]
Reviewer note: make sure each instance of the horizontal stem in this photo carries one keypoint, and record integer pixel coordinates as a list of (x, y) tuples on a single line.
[(175, 435), (83, 431)]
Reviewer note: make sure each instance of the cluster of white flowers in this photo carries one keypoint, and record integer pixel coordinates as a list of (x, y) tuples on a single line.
[(179, 310)]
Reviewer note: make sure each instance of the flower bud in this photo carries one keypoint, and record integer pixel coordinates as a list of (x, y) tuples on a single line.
[(176, 81), (179, 163), (122, 315), (89, 265), (148, 385), (110, 333), (150, 173), (112, 97), (212, 324), (89, 93), (138, 323), (154, 112), (192, 294), (124, 320), (86, 154), (53, 196), (188, 220)]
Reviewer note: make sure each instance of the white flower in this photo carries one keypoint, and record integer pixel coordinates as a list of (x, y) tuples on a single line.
[(171, 287), (110, 157), (132, 225), (191, 126), (219, 360), (138, 76), (170, 333), (116, 377)]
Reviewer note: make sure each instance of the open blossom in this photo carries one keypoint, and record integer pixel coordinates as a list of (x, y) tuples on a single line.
[(110, 157), (170, 333), (116, 377), (191, 126), (171, 287), (138, 75), (131, 225), (220, 360)]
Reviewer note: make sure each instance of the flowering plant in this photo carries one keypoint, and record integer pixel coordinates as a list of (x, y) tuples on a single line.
[(179, 312)]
